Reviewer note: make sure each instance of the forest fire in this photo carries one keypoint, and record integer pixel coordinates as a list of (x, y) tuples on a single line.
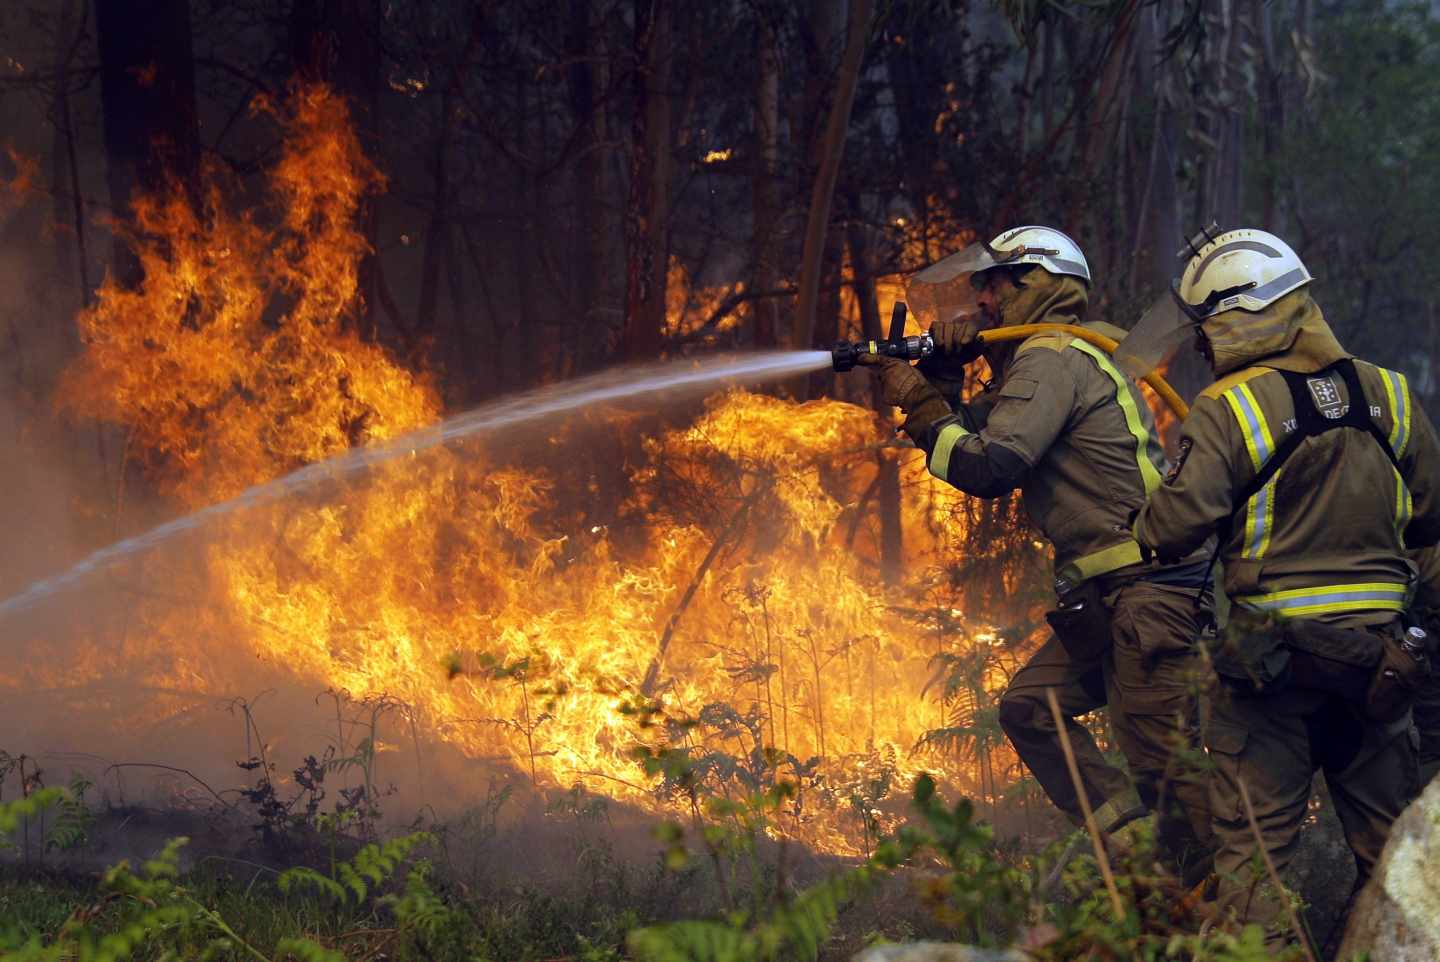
[(513, 605)]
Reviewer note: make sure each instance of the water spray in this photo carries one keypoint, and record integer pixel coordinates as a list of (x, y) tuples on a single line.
[(694, 377)]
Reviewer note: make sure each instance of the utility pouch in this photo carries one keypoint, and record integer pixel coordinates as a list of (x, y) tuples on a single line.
[(1403, 666), (1250, 653), (1082, 622), (1341, 661)]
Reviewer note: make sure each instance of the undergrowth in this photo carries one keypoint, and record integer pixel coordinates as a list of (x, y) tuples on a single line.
[(389, 900)]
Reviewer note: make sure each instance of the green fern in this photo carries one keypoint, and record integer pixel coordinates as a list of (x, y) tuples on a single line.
[(352, 881), (694, 942), (12, 814), (419, 908), (72, 826), (304, 950)]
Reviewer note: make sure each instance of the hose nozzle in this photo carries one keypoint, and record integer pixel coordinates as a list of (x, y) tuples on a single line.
[(846, 354)]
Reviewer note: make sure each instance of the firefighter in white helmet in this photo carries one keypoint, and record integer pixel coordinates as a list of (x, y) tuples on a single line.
[(1316, 470), (1073, 433)]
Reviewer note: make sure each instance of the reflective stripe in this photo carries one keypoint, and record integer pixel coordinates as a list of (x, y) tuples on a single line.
[(1259, 520), (1101, 562), (945, 442), (1258, 440), (1149, 474), (1404, 506), (1323, 599), (1122, 807), (1397, 392), (1260, 509)]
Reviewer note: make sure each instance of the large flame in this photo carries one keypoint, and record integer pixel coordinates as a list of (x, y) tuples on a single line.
[(737, 576)]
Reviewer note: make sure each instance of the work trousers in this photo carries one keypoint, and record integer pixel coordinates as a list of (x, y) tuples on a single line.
[(1275, 742), (1150, 676)]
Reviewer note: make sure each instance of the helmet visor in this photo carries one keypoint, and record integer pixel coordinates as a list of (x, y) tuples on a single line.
[(945, 290), (1162, 328)]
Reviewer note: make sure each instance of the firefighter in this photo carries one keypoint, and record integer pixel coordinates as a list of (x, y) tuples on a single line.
[(1315, 469), (1426, 611), (1065, 426)]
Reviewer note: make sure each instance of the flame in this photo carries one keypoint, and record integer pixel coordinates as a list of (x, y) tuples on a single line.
[(738, 574)]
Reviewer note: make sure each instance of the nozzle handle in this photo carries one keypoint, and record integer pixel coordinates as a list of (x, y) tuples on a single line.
[(897, 322)]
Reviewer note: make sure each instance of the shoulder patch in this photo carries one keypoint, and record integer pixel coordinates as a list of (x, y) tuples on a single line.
[(1232, 379), (1185, 445), (1020, 388)]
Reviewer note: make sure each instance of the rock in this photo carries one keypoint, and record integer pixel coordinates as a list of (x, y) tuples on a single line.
[(938, 952), (1397, 916)]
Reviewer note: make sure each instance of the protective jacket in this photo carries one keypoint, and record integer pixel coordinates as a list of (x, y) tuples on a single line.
[(1064, 425), (1324, 535)]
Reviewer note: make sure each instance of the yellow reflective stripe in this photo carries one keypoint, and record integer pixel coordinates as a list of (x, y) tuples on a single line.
[(1397, 392), (1325, 599), (874, 348), (1101, 562), (1404, 506), (945, 442), (1149, 474), (1259, 520), (1258, 440)]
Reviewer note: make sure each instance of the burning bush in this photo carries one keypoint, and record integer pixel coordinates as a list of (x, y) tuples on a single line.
[(511, 606)]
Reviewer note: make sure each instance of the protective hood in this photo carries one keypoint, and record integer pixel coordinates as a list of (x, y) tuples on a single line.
[(1044, 298), (1289, 334)]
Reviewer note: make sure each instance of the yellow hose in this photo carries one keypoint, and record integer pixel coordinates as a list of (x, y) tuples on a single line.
[(1106, 344)]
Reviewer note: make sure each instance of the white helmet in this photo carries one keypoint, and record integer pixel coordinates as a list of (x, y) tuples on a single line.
[(946, 289), (1046, 246), (1245, 269)]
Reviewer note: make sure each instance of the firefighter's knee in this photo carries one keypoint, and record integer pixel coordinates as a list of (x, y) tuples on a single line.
[(1019, 713)]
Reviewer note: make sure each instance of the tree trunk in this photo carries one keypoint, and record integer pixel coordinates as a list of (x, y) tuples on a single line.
[(337, 43), (823, 190), (647, 247), (887, 495), (765, 187), (590, 243), (65, 169), (147, 91), (437, 233)]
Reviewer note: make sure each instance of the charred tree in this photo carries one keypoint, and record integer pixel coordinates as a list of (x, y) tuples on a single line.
[(887, 482), (587, 81), (147, 92), (647, 245), (765, 186), (817, 223), (337, 43)]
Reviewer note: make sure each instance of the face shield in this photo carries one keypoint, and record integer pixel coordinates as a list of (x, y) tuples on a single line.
[(946, 290), (1166, 325)]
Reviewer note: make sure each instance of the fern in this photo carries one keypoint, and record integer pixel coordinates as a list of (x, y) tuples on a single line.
[(13, 813), (352, 881), (72, 826), (694, 942), (419, 908), (304, 950), (795, 931)]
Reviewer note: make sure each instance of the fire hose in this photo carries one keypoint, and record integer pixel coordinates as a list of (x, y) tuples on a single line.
[(846, 354)]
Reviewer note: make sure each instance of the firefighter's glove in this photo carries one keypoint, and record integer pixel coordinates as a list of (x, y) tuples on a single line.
[(957, 340), (907, 389)]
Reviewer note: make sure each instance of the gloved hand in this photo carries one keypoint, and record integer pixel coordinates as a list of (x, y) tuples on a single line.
[(907, 389), (957, 340)]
